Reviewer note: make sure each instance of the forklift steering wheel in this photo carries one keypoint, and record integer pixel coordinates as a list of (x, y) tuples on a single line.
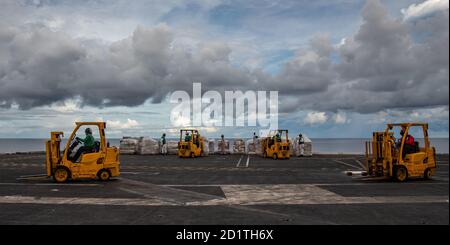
[(77, 139)]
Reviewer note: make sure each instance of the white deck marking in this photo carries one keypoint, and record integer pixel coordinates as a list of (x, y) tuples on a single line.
[(346, 164), (141, 173), (320, 184), (295, 194), (248, 160), (158, 202), (239, 162), (439, 178), (360, 164), (83, 201)]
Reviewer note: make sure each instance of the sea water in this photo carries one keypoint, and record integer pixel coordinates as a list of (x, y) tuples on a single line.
[(319, 145)]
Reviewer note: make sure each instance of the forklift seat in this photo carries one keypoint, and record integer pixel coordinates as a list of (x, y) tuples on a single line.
[(96, 146)]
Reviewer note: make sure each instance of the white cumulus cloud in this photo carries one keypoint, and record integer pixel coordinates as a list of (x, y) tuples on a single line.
[(340, 118), (130, 123), (425, 8), (315, 117)]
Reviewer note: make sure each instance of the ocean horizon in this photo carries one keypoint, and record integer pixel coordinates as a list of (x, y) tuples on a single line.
[(319, 145)]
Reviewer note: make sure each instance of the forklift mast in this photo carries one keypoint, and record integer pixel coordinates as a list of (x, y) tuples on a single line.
[(53, 151)]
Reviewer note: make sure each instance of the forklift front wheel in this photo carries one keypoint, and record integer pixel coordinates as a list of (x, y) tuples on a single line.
[(61, 175), (192, 155), (275, 156), (427, 174), (401, 174), (104, 175)]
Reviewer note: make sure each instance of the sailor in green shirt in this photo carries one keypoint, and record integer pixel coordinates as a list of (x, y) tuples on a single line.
[(187, 137), (88, 146), (278, 137)]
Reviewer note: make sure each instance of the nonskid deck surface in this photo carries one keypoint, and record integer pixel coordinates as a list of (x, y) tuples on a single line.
[(222, 189)]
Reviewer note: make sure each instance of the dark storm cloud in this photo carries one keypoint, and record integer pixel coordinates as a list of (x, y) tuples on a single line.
[(381, 66), (310, 71), (40, 67)]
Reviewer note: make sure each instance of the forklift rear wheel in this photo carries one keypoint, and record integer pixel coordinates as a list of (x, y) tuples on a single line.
[(61, 175), (104, 175), (275, 156), (427, 174), (401, 174)]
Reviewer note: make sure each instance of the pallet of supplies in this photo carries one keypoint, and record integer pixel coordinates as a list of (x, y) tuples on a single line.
[(250, 147), (172, 147), (205, 146), (253, 147), (148, 146), (258, 147), (238, 146), (211, 145), (223, 147), (128, 145)]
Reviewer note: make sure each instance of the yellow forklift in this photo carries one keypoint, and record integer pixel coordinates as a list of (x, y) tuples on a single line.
[(388, 157), (191, 145), (276, 145), (100, 162)]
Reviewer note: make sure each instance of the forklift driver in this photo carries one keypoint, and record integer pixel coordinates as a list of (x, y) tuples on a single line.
[(410, 146), (88, 146), (195, 139), (278, 137), (271, 141), (187, 137)]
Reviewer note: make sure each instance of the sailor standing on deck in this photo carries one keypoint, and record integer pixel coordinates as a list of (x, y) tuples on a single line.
[(222, 147), (163, 144), (301, 144)]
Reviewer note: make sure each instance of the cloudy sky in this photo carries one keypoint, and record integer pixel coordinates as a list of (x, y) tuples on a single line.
[(343, 68)]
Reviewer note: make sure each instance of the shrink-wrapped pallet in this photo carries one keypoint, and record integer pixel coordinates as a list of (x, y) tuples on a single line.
[(253, 146), (238, 146), (223, 147), (172, 147), (211, 145), (148, 146), (128, 145), (205, 146)]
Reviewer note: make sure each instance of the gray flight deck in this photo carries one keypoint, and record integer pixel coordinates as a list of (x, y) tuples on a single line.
[(222, 189)]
